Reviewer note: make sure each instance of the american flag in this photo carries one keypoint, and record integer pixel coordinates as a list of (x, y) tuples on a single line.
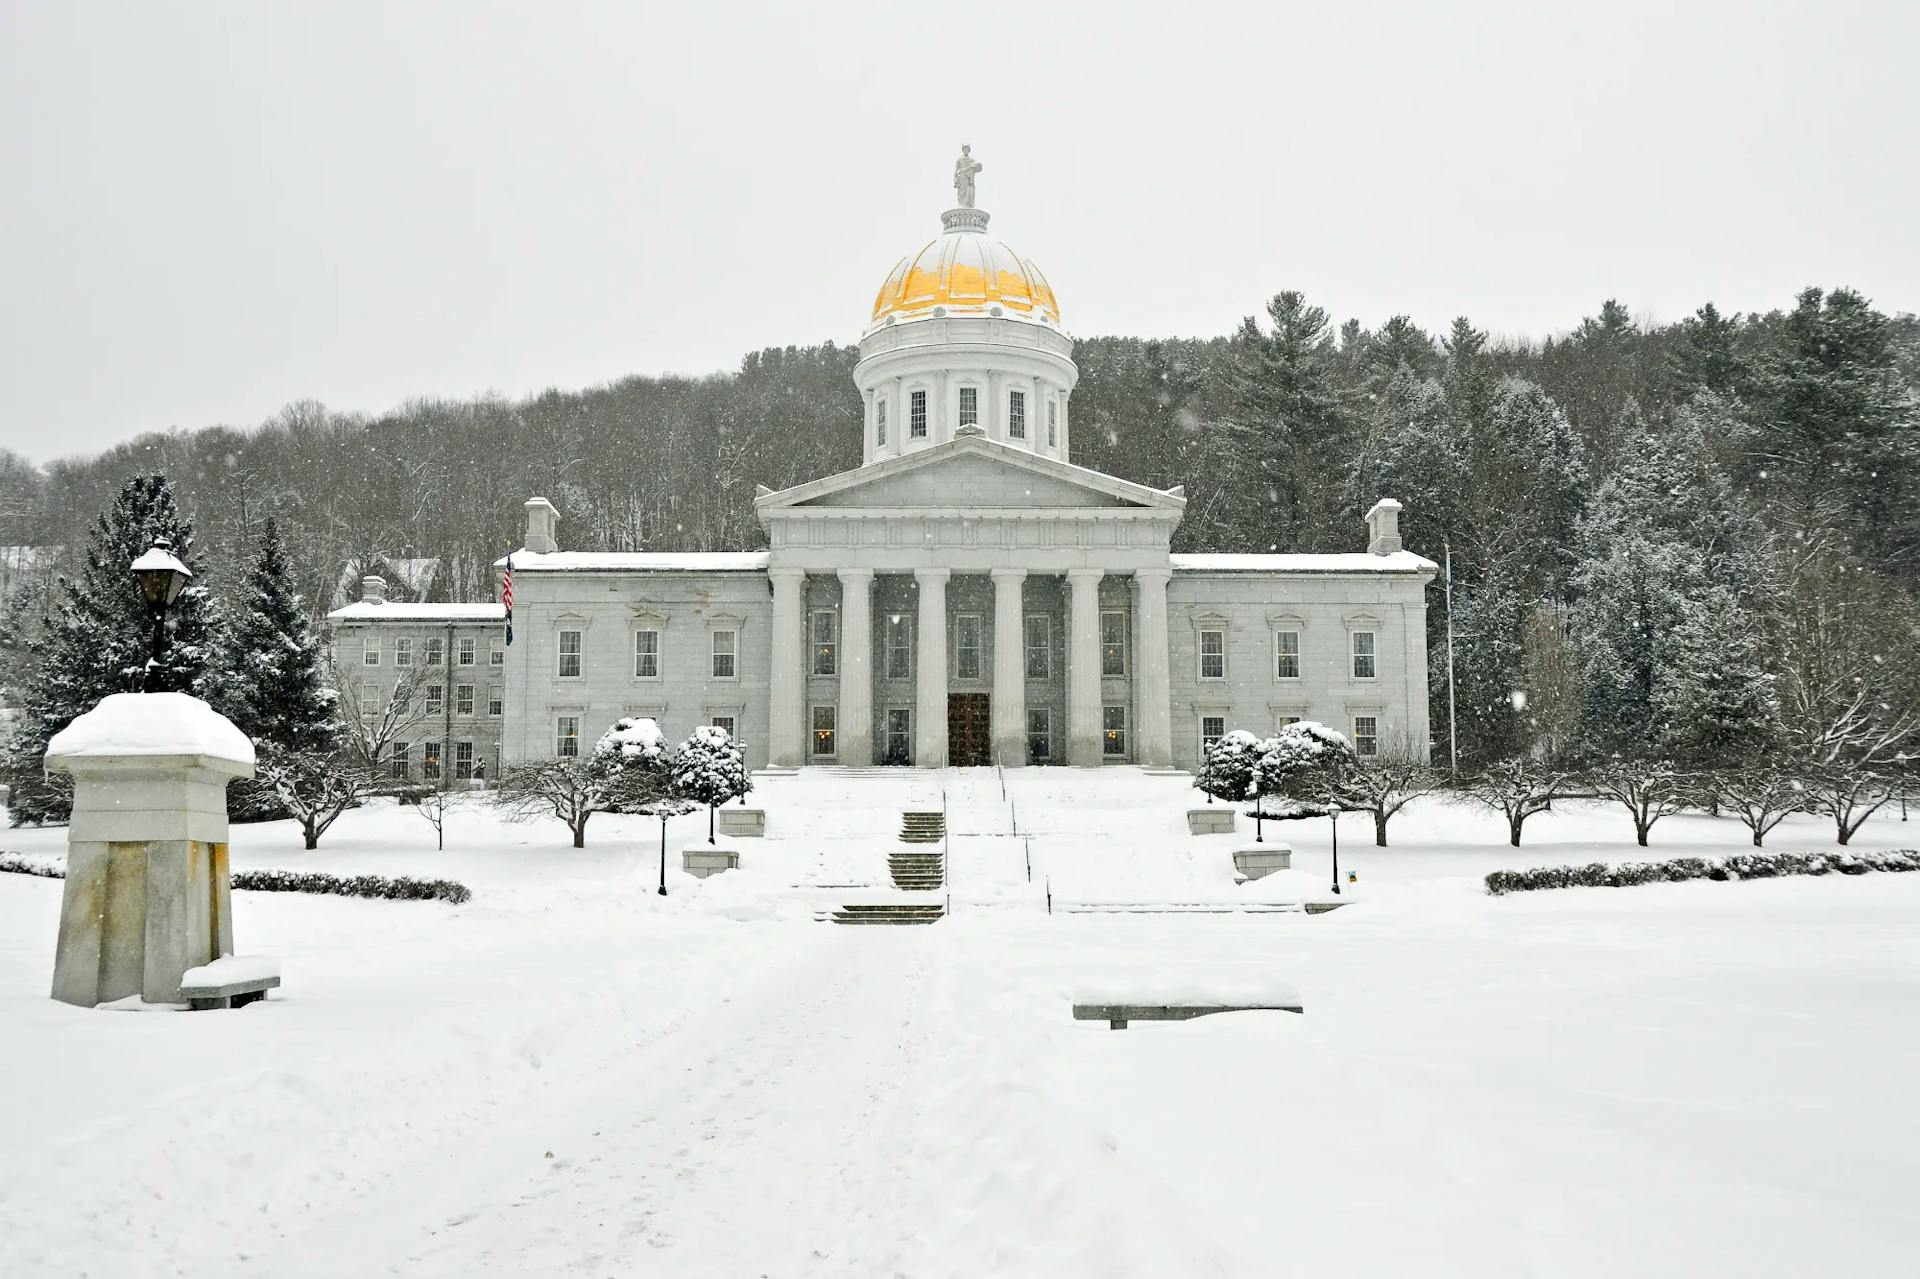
[(506, 596)]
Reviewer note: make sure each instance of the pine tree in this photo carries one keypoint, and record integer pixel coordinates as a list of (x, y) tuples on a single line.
[(99, 638), (710, 767), (269, 677), (1713, 695), (1292, 427)]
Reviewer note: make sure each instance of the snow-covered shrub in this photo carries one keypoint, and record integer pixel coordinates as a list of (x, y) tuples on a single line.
[(1227, 771), (711, 768), (1677, 869), (384, 887)]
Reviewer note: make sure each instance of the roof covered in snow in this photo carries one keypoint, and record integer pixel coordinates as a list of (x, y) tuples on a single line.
[(1344, 562), (639, 562), (365, 612)]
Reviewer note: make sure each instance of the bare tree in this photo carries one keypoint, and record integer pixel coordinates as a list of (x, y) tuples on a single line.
[(373, 719), (1555, 687), (433, 807), (1761, 797), (1849, 794), (1648, 789), (572, 790), (1519, 788), (1385, 783)]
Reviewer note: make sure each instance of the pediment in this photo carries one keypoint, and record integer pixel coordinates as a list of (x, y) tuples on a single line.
[(973, 474)]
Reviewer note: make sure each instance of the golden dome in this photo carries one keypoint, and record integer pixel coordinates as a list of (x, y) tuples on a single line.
[(966, 272)]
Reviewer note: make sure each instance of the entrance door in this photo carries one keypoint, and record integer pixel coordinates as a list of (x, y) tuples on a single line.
[(969, 730), (899, 744)]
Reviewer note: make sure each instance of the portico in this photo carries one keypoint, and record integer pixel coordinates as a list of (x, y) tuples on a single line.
[(973, 527)]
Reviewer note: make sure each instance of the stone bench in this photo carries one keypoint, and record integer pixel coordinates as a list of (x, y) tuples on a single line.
[(1118, 1015), (229, 982)]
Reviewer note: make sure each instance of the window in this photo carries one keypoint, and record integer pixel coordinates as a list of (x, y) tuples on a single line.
[(1016, 415), (1113, 643), (398, 763), (430, 761), (403, 651), (823, 717), (463, 699), (463, 761), (646, 654), (1039, 736), (826, 626), (569, 654), (435, 652), (880, 423), (1366, 735), (1286, 654), (496, 656), (899, 743), (1039, 646), (969, 406), (899, 646), (724, 723), (1053, 426), (966, 646), (1285, 720), (402, 698), (723, 643), (1212, 729), (370, 653), (1213, 654), (1113, 731), (468, 647), (566, 737), (917, 415), (1363, 667), (436, 698), (496, 705)]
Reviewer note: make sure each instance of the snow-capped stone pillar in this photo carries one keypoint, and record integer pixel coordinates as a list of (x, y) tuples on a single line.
[(146, 896), (1153, 691), (856, 667), (930, 714), (1009, 669), (787, 681), (1083, 667)]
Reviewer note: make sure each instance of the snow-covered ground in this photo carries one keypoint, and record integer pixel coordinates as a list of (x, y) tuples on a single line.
[(570, 1075)]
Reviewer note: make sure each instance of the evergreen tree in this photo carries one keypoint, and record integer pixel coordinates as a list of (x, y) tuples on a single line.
[(710, 767), (1713, 696), (99, 638)]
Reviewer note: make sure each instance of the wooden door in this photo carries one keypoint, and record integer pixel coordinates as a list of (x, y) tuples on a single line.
[(969, 730)]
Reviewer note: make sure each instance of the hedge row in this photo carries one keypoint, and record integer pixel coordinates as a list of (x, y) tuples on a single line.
[(1676, 869), (385, 887)]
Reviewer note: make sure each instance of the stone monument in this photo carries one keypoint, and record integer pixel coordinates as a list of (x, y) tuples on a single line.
[(147, 896)]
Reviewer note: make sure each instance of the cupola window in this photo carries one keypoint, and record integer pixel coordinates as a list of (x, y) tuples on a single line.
[(969, 406), (1017, 415), (917, 415), (880, 424), (1053, 425)]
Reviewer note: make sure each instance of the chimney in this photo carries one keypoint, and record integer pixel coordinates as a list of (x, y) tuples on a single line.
[(543, 523), (1383, 527), (373, 589)]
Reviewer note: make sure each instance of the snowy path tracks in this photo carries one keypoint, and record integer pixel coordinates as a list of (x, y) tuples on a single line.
[(748, 1142)]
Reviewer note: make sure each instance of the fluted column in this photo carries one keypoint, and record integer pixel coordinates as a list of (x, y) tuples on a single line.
[(930, 714), (1009, 668), (856, 667), (1083, 668), (1152, 683), (787, 681)]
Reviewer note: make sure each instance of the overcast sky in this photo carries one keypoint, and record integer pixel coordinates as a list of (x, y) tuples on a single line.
[(212, 210)]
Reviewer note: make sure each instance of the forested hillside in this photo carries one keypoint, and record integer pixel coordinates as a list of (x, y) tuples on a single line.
[(1728, 491)]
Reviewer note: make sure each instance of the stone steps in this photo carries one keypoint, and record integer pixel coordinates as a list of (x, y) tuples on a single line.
[(867, 914), (917, 871), (922, 827)]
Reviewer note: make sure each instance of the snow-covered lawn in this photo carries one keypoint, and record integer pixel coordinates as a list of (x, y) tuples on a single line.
[(572, 1075)]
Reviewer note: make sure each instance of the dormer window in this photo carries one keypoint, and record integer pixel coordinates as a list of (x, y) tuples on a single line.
[(917, 415), (969, 406), (1017, 415)]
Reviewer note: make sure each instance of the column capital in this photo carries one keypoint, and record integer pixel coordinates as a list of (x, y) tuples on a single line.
[(1162, 573), (1007, 574), (932, 574), (854, 574), (1085, 574), (784, 573)]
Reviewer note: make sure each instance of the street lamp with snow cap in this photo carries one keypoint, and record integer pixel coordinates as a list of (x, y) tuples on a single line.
[(161, 577)]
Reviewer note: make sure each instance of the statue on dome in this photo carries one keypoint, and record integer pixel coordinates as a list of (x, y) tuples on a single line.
[(963, 170)]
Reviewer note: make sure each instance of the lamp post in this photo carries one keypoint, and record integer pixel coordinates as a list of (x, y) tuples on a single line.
[(161, 577), (1335, 822), (665, 809)]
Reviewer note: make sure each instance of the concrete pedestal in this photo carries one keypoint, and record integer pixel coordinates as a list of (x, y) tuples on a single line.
[(147, 895), (702, 860), (748, 822), (1257, 861), (1214, 819)]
